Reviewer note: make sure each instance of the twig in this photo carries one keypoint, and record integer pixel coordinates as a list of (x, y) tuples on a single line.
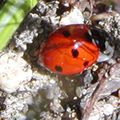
[(89, 105)]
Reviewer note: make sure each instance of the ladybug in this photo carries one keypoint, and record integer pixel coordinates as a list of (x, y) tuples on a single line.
[(72, 48)]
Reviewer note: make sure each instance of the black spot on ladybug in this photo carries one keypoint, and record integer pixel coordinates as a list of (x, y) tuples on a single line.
[(66, 33), (86, 63), (75, 53), (58, 68)]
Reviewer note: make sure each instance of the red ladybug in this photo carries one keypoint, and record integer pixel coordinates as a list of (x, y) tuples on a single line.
[(70, 49)]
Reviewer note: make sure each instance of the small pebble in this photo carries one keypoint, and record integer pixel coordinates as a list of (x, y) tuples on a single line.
[(108, 109)]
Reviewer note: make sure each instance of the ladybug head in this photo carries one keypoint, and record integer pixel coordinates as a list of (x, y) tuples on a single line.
[(103, 41)]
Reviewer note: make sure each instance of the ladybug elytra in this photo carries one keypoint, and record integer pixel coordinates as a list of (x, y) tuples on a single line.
[(71, 49)]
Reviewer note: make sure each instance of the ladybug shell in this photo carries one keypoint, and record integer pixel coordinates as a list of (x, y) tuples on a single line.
[(69, 50)]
